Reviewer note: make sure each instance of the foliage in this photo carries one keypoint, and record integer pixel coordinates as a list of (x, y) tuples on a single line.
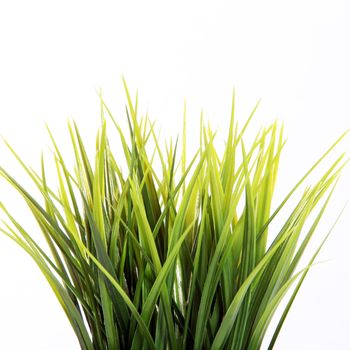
[(177, 258)]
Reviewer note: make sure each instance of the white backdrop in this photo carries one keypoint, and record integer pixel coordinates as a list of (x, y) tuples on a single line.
[(293, 54)]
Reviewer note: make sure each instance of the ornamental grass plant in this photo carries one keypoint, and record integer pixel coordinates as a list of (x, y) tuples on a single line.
[(183, 257)]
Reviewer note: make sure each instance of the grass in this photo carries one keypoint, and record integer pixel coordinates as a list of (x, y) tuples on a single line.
[(176, 258)]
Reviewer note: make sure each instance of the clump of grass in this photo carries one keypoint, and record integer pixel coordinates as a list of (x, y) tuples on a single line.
[(165, 259)]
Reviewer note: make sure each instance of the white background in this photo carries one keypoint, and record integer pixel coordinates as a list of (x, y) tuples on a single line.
[(295, 55)]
